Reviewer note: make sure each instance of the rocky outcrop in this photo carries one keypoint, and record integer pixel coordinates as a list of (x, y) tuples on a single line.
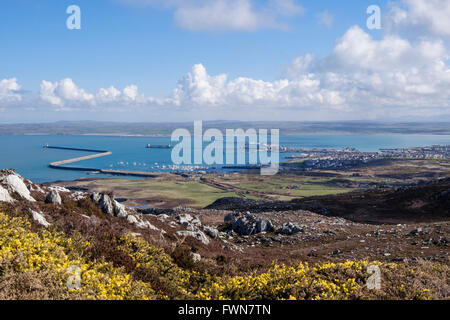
[(104, 202), (211, 232), (14, 183), (191, 223), (141, 223), (247, 224), (109, 206), (200, 236), (290, 228), (119, 210), (4, 195), (53, 197), (196, 257)]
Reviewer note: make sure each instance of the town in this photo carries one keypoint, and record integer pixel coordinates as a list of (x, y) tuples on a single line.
[(350, 157)]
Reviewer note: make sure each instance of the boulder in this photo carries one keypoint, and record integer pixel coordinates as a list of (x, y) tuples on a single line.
[(416, 232), (244, 225), (53, 197), (290, 228), (14, 183), (140, 223), (104, 202), (184, 220), (247, 224), (39, 218), (196, 257), (119, 210), (4, 195), (200, 236), (212, 232), (264, 226)]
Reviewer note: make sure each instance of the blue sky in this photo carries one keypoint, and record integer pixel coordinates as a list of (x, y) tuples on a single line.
[(154, 45)]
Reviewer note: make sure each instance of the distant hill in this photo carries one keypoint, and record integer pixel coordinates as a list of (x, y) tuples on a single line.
[(288, 127)]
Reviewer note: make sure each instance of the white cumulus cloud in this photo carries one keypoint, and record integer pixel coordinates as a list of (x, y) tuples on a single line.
[(431, 16), (9, 90), (224, 15)]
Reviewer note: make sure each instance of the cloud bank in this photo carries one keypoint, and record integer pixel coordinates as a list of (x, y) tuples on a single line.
[(364, 78)]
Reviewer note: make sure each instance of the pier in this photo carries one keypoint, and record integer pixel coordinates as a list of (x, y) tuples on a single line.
[(152, 146), (98, 154)]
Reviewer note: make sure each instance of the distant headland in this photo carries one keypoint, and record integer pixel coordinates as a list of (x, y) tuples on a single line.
[(155, 129)]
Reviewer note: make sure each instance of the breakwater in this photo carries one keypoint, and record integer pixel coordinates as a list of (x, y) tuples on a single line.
[(97, 154)]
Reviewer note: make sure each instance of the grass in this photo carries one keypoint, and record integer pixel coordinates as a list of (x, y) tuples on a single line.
[(192, 193), (278, 185)]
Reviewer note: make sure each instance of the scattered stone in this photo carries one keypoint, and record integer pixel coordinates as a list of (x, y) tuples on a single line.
[(59, 189), (53, 197), (77, 196), (163, 217), (440, 242), (416, 232)]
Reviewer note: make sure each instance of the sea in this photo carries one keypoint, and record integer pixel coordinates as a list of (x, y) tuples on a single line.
[(27, 155)]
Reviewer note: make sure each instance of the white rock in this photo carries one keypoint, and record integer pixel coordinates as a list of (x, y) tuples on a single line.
[(15, 183), (163, 217), (39, 218), (200, 236), (34, 187), (119, 210), (212, 232), (196, 257), (78, 195), (132, 219), (141, 224), (184, 219), (54, 198), (59, 189), (4, 195)]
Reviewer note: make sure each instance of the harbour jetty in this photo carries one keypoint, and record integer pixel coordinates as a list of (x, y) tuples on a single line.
[(97, 154), (153, 146)]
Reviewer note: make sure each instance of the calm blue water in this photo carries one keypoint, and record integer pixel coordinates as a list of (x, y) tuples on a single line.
[(27, 155)]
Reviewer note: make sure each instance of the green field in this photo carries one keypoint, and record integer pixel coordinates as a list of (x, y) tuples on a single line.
[(150, 191)]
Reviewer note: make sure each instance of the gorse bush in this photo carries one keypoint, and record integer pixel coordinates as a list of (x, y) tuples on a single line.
[(46, 265), (50, 253)]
